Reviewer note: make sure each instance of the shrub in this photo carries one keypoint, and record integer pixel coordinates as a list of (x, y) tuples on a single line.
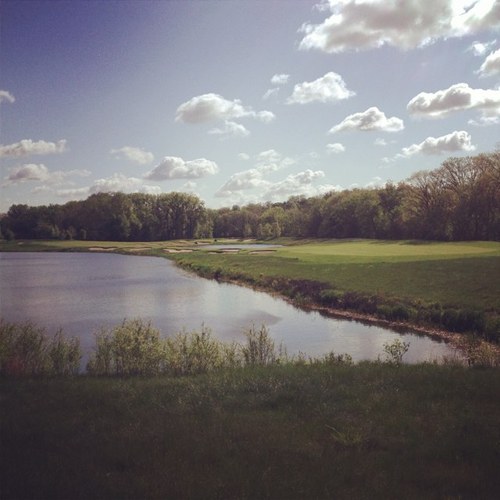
[(259, 348), (132, 348), (395, 351), (64, 355), (192, 353), (27, 350)]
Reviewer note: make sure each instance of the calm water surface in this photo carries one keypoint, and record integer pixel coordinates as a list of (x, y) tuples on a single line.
[(81, 292)]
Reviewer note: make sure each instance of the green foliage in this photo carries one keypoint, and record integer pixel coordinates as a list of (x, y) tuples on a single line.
[(198, 352), (457, 201), (282, 431), (132, 348), (260, 348), (27, 350), (395, 351)]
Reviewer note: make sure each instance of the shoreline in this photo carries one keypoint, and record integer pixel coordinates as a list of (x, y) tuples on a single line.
[(457, 340)]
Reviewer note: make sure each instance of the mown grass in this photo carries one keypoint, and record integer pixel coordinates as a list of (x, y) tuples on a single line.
[(452, 285), (440, 284), (324, 430)]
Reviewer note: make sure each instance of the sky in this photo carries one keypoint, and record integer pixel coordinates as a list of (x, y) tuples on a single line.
[(240, 101)]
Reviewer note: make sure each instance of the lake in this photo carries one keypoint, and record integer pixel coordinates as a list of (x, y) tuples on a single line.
[(82, 292)]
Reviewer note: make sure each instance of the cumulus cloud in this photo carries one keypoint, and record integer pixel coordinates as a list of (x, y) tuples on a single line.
[(172, 167), (301, 183), (329, 88), (6, 96), (114, 184), (136, 155), (39, 172), (480, 48), (230, 129), (241, 181), (369, 120), (271, 161), (266, 162), (270, 92), (213, 107), (485, 121), (27, 147), (280, 79), (458, 97), (121, 183), (243, 156), (295, 185), (491, 65), (450, 143), (335, 148), (368, 24)]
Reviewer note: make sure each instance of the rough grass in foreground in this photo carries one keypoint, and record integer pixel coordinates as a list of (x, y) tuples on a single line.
[(322, 430)]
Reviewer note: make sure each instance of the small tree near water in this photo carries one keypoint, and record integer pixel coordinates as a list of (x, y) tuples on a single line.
[(395, 351)]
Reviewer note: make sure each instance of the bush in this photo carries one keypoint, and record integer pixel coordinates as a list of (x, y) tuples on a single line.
[(132, 348), (395, 351), (27, 350), (193, 353), (259, 348)]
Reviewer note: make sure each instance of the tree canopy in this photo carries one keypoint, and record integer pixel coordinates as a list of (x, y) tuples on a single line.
[(460, 200)]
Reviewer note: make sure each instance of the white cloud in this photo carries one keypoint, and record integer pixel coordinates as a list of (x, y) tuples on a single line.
[(335, 148), (458, 97), (5, 95), (329, 88), (265, 162), (280, 79), (450, 143), (270, 92), (123, 184), (28, 172), (241, 181), (172, 167), (300, 184), (243, 156), (40, 173), (491, 65), (230, 129), (136, 155), (371, 119), (485, 121), (116, 183), (480, 49), (368, 24), (27, 147), (271, 161), (380, 142), (213, 107)]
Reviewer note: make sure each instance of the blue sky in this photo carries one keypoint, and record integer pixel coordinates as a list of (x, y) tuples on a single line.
[(240, 101)]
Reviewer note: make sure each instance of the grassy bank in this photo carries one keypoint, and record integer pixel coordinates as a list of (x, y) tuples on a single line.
[(453, 286), (450, 286), (326, 430)]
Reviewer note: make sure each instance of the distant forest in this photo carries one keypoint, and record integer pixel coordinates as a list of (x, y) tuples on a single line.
[(460, 200)]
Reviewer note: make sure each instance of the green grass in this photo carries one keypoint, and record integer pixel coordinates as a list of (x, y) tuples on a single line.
[(416, 275), (297, 431), (453, 275)]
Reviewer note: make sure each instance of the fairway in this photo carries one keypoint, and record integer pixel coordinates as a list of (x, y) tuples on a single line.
[(376, 250)]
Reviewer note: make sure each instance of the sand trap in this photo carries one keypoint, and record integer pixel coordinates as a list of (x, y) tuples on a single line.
[(175, 250), (102, 249)]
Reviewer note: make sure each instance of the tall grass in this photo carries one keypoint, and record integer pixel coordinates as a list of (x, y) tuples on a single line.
[(27, 350), (136, 348)]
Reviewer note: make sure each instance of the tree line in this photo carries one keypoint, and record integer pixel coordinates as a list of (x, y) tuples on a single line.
[(460, 200)]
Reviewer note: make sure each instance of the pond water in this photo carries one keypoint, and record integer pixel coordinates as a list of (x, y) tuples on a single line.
[(81, 292)]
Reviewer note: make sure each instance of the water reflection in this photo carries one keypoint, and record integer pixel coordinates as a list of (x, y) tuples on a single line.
[(82, 292)]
